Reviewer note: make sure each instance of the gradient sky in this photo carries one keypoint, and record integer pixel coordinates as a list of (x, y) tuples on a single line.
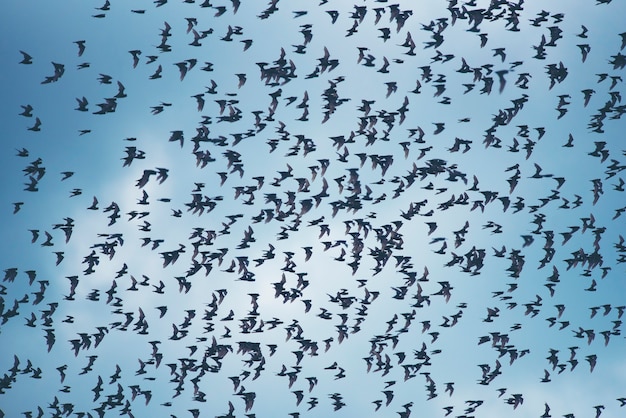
[(275, 130)]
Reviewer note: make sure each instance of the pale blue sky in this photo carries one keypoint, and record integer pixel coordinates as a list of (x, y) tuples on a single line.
[(48, 32)]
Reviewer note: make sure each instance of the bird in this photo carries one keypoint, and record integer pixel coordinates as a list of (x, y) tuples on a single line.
[(26, 58), (182, 68), (81, 47), (242, 80), (27, 111), (82, 104), (36, 126), (135, 54)]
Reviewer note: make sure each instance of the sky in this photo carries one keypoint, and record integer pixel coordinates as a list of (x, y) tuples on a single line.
[(293, 209)]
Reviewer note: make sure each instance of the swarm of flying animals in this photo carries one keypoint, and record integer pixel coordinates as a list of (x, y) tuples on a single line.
[(320, 210)]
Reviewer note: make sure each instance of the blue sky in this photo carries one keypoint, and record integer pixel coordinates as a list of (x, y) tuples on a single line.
[(276, 132)]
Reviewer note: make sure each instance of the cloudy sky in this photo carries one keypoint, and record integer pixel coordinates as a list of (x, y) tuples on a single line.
[(297, 209)]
